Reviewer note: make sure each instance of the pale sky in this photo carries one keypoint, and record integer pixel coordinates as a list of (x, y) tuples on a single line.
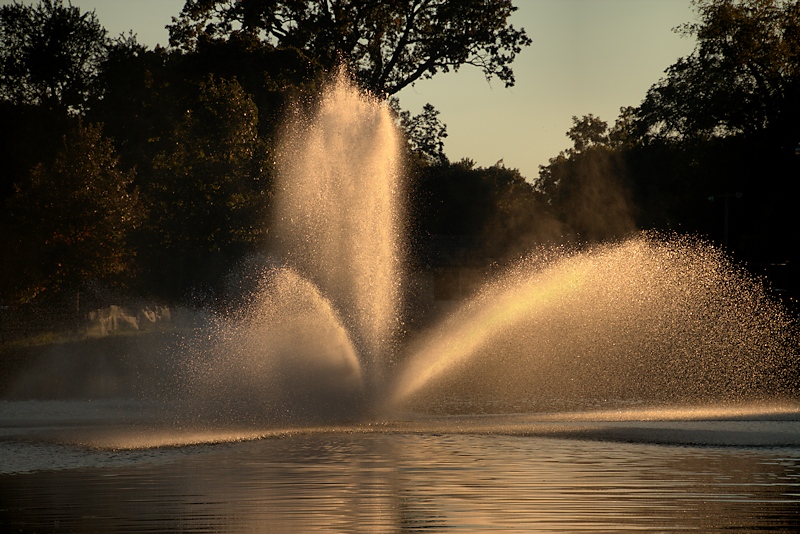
[(587, 56)]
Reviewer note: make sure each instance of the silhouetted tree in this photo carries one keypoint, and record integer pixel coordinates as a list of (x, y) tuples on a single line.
[(585, 185), (208, 188), (424, 133), (742, 78), (728, 117), (388, 45), (471, 213), (49, 54), (194, 124), (74, 218)]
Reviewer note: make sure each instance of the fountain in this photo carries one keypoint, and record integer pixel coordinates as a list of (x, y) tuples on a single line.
[(305, 407), (654, 322), (663, 321)]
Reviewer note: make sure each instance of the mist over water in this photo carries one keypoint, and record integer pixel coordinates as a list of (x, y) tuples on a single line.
[(650, 323), (654, 319)]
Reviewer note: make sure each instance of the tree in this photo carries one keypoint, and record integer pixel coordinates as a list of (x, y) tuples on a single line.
[(387, 44), (471, 214), (727, 116), (199, 127), (209, 186), (424, 133), (586, 132), (585, 186), (742, 78), (76, 216), (49, 54)]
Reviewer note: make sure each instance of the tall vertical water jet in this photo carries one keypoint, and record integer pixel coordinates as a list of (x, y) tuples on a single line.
[(337, 212)]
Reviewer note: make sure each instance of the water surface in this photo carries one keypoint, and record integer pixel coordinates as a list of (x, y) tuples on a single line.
[(521, 472)]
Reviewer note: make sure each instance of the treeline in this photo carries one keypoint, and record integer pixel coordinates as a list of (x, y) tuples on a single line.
[(151, 170), (714, 147)]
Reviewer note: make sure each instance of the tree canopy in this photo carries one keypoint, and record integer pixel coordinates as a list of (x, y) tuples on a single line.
[(50, 54), (742, 78), (208, 186), (585, 185), (388, 45), (76, 215), (474, 213), (120, 160), (167, 153), (710, 150)]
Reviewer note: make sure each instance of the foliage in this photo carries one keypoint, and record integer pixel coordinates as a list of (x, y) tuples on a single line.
[(424, 133), (49, 54), (175, 187), (77, 215), (472, 213), (209, 186), (742, 78), (388, 45), (29, 135), (586, 132), (585, 185), (145, 93), (723, 124)]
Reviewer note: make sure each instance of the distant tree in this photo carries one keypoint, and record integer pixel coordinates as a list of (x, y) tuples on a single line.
[(146, 92), (476, 213), (388, 45), (136, 97), (586, 185), (586, 132), (724, 120), (424, 133), (199, 126), (209, 187), (49, 54), (29, 135), (76, 216)]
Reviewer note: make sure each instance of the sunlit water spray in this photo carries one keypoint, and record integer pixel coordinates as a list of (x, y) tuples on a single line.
[(651, 323), (284, 355), (663, 321), (650, 319), (338, 213)]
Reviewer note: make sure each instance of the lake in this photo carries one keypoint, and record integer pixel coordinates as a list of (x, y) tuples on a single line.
[(87, 467)]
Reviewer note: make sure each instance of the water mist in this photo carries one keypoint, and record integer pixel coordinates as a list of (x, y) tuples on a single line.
[(338, 210), (655, 320)]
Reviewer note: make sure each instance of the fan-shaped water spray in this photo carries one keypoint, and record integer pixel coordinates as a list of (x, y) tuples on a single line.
[(653, 319), (650, 319), (283, 355)]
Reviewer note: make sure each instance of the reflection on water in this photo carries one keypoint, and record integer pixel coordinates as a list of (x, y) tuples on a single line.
[(342, 481)]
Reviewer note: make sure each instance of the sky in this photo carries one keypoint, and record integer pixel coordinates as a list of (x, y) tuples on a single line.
[(587, 56)]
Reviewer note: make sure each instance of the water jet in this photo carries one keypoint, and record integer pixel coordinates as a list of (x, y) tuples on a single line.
[(651, 322), (659, 320)]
